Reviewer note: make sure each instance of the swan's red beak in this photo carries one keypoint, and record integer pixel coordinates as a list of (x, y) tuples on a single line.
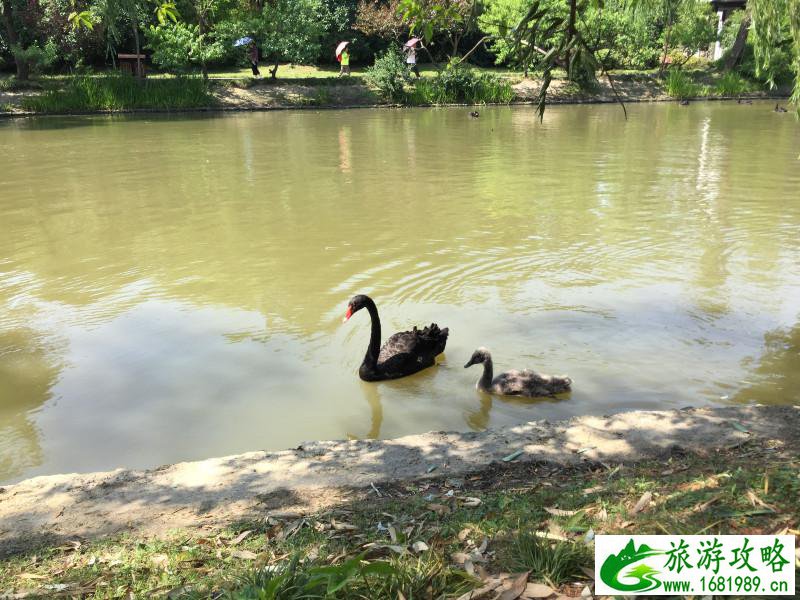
[(348, 314)]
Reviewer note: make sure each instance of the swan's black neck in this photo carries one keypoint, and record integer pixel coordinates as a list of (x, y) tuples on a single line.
[(485, 382), (371, 357)]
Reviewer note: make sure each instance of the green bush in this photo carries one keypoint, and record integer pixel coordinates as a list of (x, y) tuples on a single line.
[(388, 75), (122, 92), (680, 85), (461, 85), (38, 56)]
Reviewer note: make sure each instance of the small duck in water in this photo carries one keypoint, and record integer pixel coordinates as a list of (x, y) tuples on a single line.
[(780, 109), (516, 383), (474, 114), (684, 103)]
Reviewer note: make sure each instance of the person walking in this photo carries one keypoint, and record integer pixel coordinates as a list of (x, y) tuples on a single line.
[(252, 54), (344, 60), (411, 59)]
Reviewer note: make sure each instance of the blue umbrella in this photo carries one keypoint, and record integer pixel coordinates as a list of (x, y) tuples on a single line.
[(242, 41)]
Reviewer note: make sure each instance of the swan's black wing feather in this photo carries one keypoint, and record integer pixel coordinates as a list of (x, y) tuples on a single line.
[(407, 352)]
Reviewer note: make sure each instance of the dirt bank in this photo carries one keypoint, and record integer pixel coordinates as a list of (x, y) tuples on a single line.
[(319, 474), (244, 95)]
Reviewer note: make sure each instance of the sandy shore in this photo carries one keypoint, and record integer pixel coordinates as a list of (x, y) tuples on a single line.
[(315, 475)]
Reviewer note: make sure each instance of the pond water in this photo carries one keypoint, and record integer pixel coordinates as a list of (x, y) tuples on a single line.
[(172, 288)]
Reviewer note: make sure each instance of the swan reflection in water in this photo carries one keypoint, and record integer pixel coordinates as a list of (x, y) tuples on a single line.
[(478, 419), (373, 398)]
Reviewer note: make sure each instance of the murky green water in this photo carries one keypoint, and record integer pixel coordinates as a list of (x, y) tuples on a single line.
[(172, 288)]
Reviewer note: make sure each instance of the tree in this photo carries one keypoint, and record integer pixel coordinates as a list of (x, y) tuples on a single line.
[(551, 29), (689, 24), (179, 45), (30, 48), (380, 19), (451, 18), (776, 23), (110, 13)]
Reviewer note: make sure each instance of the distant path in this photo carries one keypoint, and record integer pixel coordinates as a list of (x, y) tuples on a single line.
[(319, 474)]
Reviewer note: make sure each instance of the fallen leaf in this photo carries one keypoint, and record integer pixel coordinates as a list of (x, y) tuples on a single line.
[(537, 590), (159, 560), (459, 558), (31, 576), (739, 427), (244, 554), (702, 506), (586, 592), (392, 534), (240, 537), (469, 567), (756, 501), (462, 535), (340, 526), (518, 585), (513, 456), (419, 547), (559, 512), (593, 490), (471, 502), (584, 450), (643, 503), (482, 592)]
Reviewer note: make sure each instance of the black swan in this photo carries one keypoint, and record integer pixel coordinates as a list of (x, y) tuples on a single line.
[(403, 353), (780, 109), (516, 383)]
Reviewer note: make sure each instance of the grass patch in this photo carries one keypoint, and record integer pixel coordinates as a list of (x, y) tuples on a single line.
[(681, 86), (733, 84), (552, 562), (416, 538), (122, 93)]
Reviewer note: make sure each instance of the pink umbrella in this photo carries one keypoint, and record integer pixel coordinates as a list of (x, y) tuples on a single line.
[(412, 42), (341, 47)]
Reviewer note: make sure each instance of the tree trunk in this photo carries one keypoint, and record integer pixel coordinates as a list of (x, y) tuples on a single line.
[(735, 55), (573, 13), (202, 32), (136, 39), (667, 34), (23, 68), (274, 70)]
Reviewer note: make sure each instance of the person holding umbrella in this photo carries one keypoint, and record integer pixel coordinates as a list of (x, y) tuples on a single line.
[(343, 56), (411, 59), (252, 52)]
